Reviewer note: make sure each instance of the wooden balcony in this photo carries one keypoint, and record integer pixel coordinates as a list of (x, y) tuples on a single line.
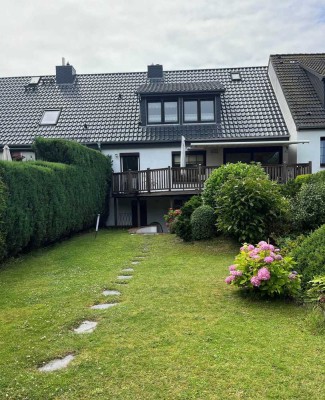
[(166, 181)]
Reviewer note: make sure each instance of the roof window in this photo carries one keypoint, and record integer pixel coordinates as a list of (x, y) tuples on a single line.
[(235, 76), (50, 117), (34, 81)]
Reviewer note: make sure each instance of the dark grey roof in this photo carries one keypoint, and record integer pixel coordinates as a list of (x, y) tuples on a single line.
[(180, 87), (108, 105), (300, 93)]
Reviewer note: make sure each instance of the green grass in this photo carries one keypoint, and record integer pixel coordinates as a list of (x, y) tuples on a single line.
[(179, 332)]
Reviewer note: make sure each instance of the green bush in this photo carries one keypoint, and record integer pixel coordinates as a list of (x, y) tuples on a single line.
[(47, 201), (310, 256), (308, 207), (182, 224), (250, 208), (293, 186), (203, 223), (220, 175)]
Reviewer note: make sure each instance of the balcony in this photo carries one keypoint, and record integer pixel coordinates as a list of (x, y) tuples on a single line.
[(189, 180)]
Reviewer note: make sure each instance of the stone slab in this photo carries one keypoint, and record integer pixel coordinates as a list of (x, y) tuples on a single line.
[(57, 364), (86, 327), (128, 270), (135, 262), (147, 229), (103, 306), (123, 277), (111, 293)]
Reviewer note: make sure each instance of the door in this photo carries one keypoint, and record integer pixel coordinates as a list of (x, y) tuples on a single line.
[(130, 165), (143, 213)]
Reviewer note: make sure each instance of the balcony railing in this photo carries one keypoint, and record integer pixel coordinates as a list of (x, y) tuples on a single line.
[(189, 178)]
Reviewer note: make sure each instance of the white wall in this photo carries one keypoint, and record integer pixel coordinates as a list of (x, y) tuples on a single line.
[(29, 155), (311, 151)]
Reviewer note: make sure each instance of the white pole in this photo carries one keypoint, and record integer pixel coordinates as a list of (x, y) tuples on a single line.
[(97, 224)]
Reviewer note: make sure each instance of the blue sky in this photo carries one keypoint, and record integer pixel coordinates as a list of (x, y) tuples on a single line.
[(127, 35)]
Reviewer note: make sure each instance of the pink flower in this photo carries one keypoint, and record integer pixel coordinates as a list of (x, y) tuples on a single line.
[(292, 276), (272, 254), (261, 243), (250, 247), (269, 259), (232, 267), (277, 250), (278, 257), (263, 274), (265, 246), (236, 273), (229, 279), (255, 281), (255, 257), (271, 247)]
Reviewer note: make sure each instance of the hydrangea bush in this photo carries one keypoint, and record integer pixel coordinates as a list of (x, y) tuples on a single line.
[(262, 269), (170, 218)]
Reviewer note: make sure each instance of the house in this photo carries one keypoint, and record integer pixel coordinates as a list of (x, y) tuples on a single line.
[(139, 119)]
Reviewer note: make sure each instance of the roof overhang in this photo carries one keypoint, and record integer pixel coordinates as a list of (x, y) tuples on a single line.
[(260, 143)]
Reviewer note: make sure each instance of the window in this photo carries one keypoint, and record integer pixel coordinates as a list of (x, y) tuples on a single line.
[(50, 117), (199, 111), (129, 162), (163, 112), (264, 155), (193, 159), (322, 151), (235, 76)]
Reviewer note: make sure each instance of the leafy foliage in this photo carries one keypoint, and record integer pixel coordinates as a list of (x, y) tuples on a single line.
[(220, 175), (293, 186), (182, 224), (310, 256), (171, 217), (309, 207), (46, 200), (250, 207), (203, 223), (263, 270)]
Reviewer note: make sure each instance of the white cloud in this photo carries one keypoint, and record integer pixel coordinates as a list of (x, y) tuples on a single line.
[(125, 35)]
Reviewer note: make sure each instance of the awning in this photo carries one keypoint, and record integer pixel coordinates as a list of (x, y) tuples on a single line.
[(260, 143)]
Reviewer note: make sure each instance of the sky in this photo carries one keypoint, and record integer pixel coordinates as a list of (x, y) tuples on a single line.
[(98, 36)]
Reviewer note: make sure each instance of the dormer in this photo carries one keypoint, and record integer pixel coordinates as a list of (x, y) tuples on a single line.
[(315, 70), (178, 103)]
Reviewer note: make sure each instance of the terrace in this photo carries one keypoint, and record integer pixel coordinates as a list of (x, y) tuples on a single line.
[(188, 180)]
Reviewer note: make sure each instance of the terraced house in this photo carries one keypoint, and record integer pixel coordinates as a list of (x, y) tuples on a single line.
[(167, 130)]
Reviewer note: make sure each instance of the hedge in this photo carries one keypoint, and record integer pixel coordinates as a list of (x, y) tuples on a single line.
[(45, 201)]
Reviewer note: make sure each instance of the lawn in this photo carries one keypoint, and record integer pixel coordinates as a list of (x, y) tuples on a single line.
[(179, 332)]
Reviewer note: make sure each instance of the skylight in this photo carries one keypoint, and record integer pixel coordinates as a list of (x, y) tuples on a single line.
[(50, 117), (235, 76), (34, 80)]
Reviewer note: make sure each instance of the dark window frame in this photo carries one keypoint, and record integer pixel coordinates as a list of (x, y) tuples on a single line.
[(47, 110), (199, 114), (322, 161), (135, 154), (252, 150), (196, 152), (163, 119)]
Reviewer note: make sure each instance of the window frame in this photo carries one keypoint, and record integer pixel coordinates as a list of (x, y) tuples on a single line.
[(188, 153), (322, 162), (252, 150), (59, 110), (162, 105), (199, 110)]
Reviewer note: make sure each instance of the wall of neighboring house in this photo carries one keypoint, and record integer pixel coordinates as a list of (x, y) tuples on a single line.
[(311, 151), (293, 149), (28, 155)]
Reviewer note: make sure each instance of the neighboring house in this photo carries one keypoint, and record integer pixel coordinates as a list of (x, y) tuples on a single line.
[(225, 115), (298, 81)]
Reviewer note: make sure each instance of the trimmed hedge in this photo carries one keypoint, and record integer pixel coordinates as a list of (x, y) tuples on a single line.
[(182, 223), (47, 201), (203, 221)]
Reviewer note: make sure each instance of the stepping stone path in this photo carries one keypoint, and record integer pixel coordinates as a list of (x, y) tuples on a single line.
[(128, 270), (86, 327), (135, 262), (56, 364), (111, 293), (124, 277), (103, 306)]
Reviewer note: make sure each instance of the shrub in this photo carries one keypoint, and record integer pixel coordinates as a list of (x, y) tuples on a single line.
[(263, 270), (220, 175), (293, 186), (310, 256), (203, 223), (171, 217), (47, 201), (250, 207), (308, 207), (182, 224)]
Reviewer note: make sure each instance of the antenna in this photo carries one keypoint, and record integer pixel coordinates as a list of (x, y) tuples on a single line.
[(63, 61)]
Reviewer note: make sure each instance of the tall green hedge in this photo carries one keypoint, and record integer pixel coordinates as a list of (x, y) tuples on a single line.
[(45, 201)]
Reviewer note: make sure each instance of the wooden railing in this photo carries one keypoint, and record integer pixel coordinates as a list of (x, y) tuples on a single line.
[(189, 178)]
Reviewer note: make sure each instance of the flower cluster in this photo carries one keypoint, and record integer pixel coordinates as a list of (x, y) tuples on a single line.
[(263, 268), (172, 215)]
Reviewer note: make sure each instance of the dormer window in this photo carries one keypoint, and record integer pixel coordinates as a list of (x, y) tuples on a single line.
[(50, 117), (162, 112), (199, 111)]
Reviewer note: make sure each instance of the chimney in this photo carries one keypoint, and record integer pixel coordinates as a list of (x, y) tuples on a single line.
[(65, 73), (155, 72)]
